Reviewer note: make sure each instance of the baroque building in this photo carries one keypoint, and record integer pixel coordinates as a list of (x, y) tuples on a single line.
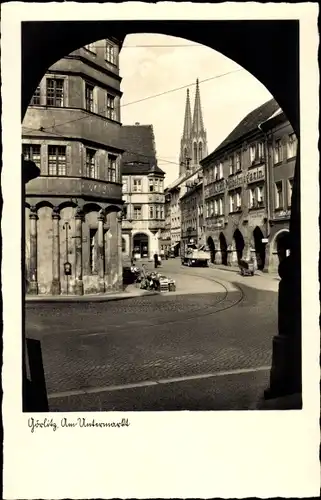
[(143, 193), (239, 189), (71, 131)]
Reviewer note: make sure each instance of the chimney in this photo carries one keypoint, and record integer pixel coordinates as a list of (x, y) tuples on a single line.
[(137, 123)]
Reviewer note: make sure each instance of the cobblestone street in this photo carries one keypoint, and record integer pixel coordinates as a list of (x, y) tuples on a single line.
[(205, 346)]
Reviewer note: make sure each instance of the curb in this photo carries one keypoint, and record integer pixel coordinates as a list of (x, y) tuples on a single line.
[(85, 298)]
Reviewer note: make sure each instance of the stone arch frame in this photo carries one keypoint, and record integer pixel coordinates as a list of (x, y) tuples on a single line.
[(41, 41), (43, 203), (274, 253)]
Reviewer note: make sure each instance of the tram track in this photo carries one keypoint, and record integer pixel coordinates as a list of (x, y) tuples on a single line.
[(231, 298)]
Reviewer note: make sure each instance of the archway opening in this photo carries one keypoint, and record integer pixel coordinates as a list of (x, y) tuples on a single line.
[(282, 244), (239, 244), (123, 245), (223, 248), (211, 245), (140, 246), (259, 248)]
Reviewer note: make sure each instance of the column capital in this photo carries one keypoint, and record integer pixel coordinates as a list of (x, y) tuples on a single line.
[(79, 214), (33, 213), (55, 213)]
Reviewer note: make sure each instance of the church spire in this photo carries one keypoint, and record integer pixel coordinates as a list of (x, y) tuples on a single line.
[(198, 126), (187, 118)]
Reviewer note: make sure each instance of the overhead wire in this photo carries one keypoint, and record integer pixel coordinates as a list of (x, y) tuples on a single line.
[(152, 96)]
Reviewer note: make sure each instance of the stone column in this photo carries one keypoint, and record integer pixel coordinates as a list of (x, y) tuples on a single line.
[(119, 251), (79, 217), (101, 251), (218, 257), (55, 285), (285, 375), (33, 283)]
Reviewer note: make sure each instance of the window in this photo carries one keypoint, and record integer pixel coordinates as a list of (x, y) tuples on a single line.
[(278, 195), (211, 208), (55, 92), (91, 170), (161, 185), (137, 212), (125, 184), (35, 101), (238, 200), (292, 146), (260, 196), (32, 152), (238, 162), (207, 209), (195, 152), (157, 212), (252, 153), (278, 156), (252, 198), (137, 185), (92, 250), (57, 160), (91, 47), (215, 172), (215, 207), (123, 245), (89, 92), (231, 164), (220, 170), (231, 202), (112, 167), (110, 53), (200, 151), (151, 212), (290, 189), (261, 150), (221, 206), (156, 185), (110, 107), (151, 185), (125, 211)]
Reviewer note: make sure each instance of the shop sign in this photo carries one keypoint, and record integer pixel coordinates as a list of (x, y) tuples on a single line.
[(284, 213), (255, 175), (235, 182)]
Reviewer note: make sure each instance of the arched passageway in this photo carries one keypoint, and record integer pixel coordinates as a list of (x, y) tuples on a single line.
[(223, 248), (123, 245), (282, 244), (259, 248), (140, 245), (211, 246), (239, 244)]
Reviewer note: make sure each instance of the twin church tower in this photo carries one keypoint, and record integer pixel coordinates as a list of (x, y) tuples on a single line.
[(193, 141)]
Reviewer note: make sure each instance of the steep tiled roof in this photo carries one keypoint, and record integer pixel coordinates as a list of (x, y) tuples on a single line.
[(250, 122), (140, 153)]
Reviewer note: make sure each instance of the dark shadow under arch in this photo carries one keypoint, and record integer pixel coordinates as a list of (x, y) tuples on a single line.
[(259, 248), (239, 243), (223, 248), (211, 245), (44, 203)]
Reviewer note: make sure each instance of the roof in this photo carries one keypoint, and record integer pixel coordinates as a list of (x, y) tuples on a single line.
[(250, 123), (139, 157)]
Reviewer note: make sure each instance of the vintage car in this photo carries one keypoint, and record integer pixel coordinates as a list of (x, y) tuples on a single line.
[(246, 267)]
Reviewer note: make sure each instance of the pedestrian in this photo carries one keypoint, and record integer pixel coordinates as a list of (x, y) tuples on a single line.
[(155, 260)]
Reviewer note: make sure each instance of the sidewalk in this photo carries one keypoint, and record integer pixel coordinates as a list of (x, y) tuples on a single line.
[(235, 269), (131, 292)]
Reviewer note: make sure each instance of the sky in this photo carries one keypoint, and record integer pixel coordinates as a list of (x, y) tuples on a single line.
[(154, 69)]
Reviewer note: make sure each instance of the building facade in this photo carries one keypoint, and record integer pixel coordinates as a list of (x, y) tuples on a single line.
[(281, 143), (71, 130), (143, 193), (193, 147), (240, 189), (192, 210)]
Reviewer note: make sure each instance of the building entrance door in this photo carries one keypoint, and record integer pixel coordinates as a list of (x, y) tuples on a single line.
[(140, 246)]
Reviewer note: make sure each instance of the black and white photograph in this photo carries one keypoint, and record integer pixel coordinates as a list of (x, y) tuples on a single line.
[(162, 221)]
